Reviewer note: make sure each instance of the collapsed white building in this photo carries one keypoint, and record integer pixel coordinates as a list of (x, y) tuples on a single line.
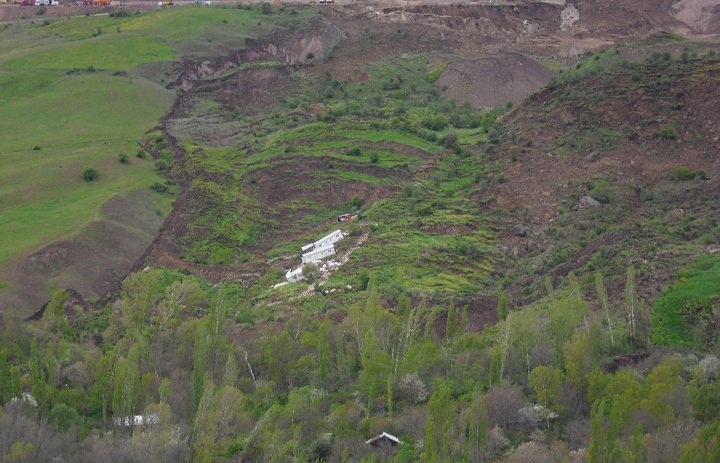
[(315, 252), (137, 420)]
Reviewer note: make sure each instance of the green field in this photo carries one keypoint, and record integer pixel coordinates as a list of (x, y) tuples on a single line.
[(69, 99)]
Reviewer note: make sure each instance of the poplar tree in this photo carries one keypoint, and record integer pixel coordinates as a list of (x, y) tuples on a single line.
[(603, 299), (631, 298), (439, 429)]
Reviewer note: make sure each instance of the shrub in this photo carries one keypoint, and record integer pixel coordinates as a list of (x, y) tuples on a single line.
[(158, 187), (89, 174), (123, 158), (357, 202), (436, 123), (460, 120), (266, 8), (161, 165), (601, 192), (363, 278), (311, 272), (140, 154), (374, 158), (666, 132), (683, 174), (37, 148), (424, 210), (354, 152), (451, 140), (119, 14)]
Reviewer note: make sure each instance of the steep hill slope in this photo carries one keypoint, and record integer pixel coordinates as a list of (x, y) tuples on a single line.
[(368, 68), (254, 182), (633, 128), (536, 281)]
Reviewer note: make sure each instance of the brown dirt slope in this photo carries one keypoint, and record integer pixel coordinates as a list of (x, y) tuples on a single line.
[(493, 80), (92, 262), (493, 53), (623, 136)]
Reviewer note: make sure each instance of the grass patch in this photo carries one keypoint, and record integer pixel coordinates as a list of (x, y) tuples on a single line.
[(666, 132), (434, 74), (683, 174), (687, 312), (106, 52), (79, 121)]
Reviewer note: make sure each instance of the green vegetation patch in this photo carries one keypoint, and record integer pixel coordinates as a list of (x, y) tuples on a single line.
[(434, 74), (54, 125), (687, 314), (105, 52), (429, 237)]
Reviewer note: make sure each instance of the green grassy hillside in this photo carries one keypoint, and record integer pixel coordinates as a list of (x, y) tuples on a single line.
[(70, 100)]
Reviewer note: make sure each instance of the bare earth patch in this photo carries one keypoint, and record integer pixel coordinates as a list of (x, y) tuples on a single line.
[(493, 80), (92, 262)]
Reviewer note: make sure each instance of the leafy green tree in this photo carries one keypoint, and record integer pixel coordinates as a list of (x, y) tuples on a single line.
[(548, 282), (127, 383), (565, 316), (662, 382), (475, 420), (215, 421), (603, 299), (54, 314), (101, 394), (140, 291), (231, 371), (527, 330), (439, 427), (376, 369), (631, 300), (9, 377), (705, 397), (545, 381), (451, 323), (38, 375), (705, 447), (320, 341), (502, 309), (64, 417), (580, 359), (21, 452), (89, 174), (180, 296), (200, 350)]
